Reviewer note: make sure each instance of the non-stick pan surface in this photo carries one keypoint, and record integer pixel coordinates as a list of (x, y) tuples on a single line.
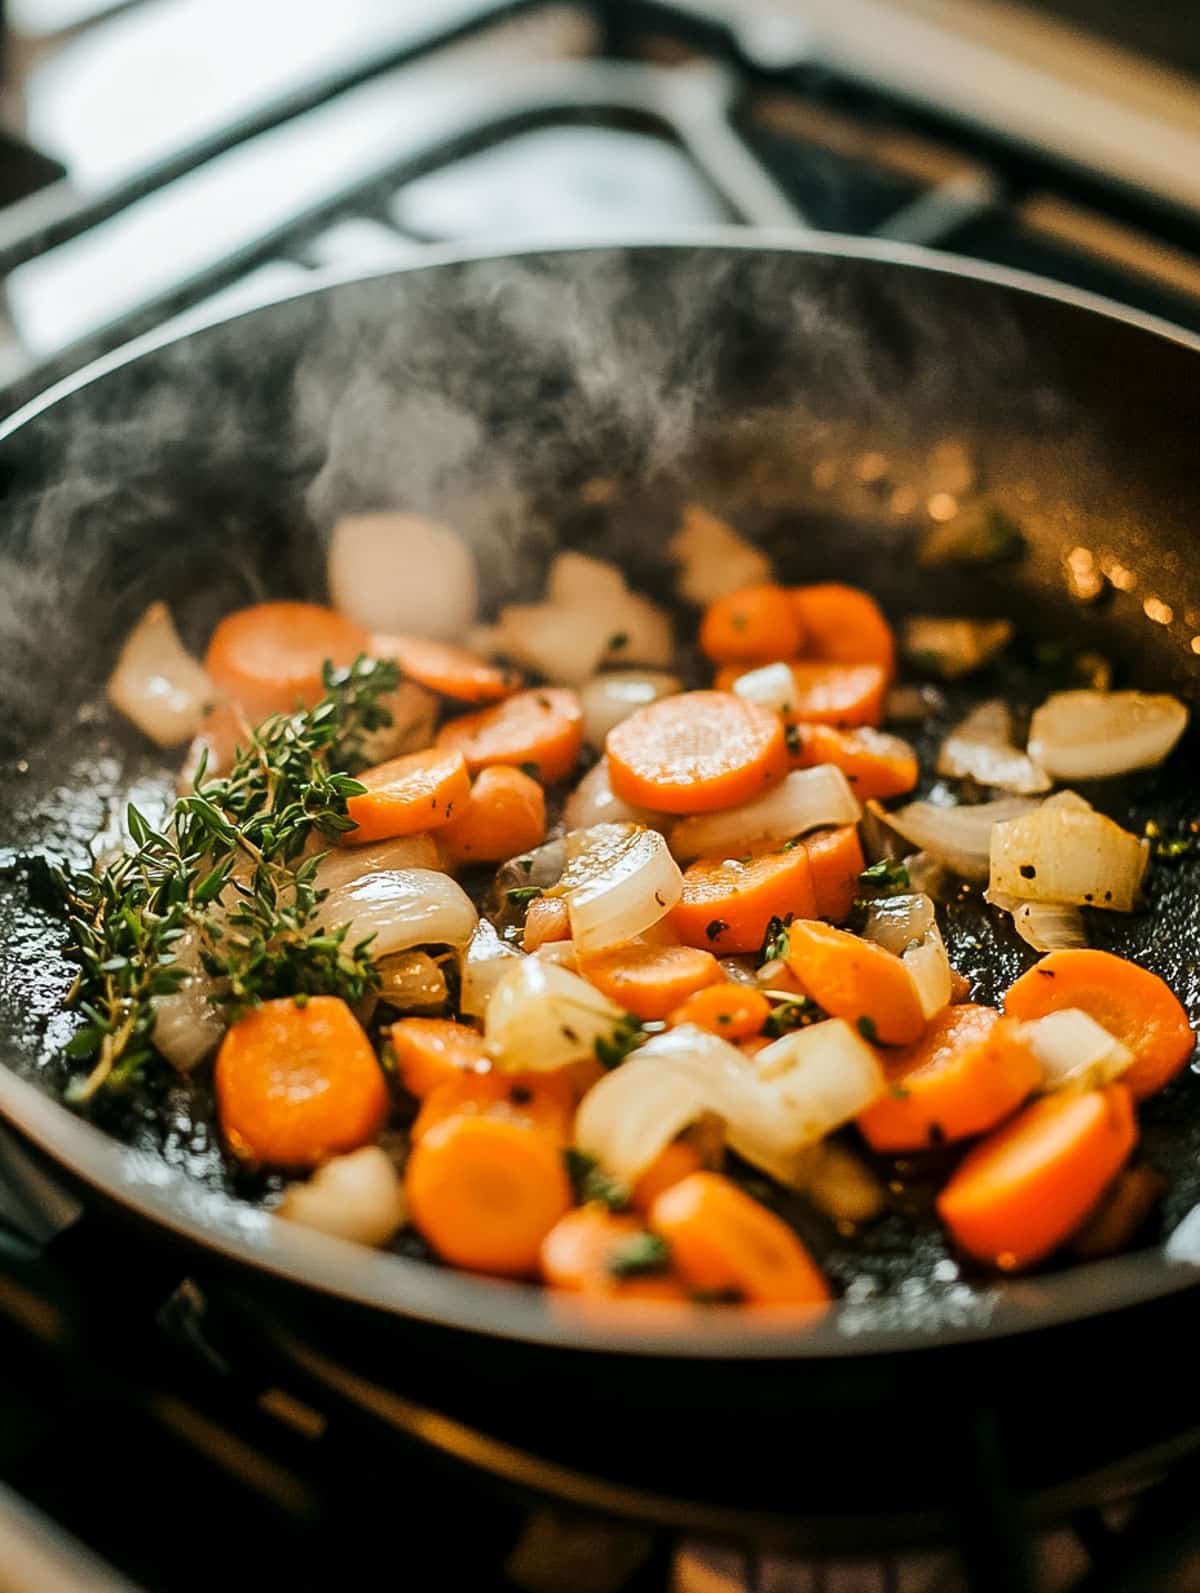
[(823, 397)]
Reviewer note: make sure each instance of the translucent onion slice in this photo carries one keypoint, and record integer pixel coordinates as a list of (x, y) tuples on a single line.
[(563, 644), (929, 964), (1073, 1049), (954, 647), (542, 1017), (187, 1026), (609, 698), (620, 879), (542, 867), (487, 960), (815, 1079), (359, 1197), (1046, 926), (804, 800), (633, 1113), (773, 686), (1089, 735), (343, 864), (577, 579), (1062, 853), (157, 683), (959, 837), (589, 617), (907, 927), (401, 907), (412, 981), (981, 748), (403, 574), (713, 558), (593, 802)]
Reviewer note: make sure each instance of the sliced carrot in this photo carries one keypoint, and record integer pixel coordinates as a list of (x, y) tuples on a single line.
[(648, 979), (298, 1081), (836, 860), (1134, 1005), (433, 1051), (419, 791), (546, 919), (671, 1166), (450, 671), (757, 625), (268, 658), (955, 1081), (695, 752), (844, 625), (582, 1253), (826, 694), (857, 980), (544, 1102), (485, 1192), (735, 1012), (540, 731), (1028, 1186), (723, 1241), (505, 814), (727, 903), (875, 763)]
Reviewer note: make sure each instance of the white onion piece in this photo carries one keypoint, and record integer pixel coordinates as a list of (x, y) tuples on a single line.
[(542, 1017), (487, 960), (607, 699), (928, 876), (343, 864), (772, 686), (804, 800), (929, 965), (894, 922), (187, 1026), (563, 644), (359, 1197), (576, 580), (981, 748), (630, 1116), (414, 719), (739, 970), (1046, 926), (401, 907), (1071, 855), (820, 1077), (593, 801), (560, 952), (954, 647), (1089, 735), (1072, 1048), (959, 837), (157, 684), (404, 574), (619, 880), (839, 1183), (412, 981), (714, 559)]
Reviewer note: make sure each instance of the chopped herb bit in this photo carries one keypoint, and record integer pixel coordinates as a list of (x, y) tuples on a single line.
[(533, 770), (618, 639), (612, 1049), (886, 878), (793, 739), (1027, 871), (790, 846), (899, 1093), (638, 1254), (738, 621), (520, 1094), (794, 1014), (715, 927), (526, 866), (775, 942), (522, 895), (590, 1181), (866, 1027)]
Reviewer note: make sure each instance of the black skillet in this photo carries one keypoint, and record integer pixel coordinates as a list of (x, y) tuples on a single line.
[(798, 388)]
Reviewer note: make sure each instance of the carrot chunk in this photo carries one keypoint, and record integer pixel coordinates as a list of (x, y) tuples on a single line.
[(504, 814), (875, 763), (826, 694), (757, 625), (1133, 1004), (1028, 1186), (696, 752), (585, 1250), (268, 658), (544, 1102), (540, 731), (485, 1192), (735, 1012), (844, 625), (955, 1081), (546, 919), (419, 791), (433, 1051), (671, 1166), (722, 1241), (727, 903), (648, 979), (298, 1082), (450, 671), (836, 860), (857, 980)]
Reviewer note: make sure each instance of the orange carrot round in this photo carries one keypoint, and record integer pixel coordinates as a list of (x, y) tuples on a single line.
[(1028, 1186), (450, 671), (696, 752), (504, 814), (735, 1012), (433, 1051), (418, 791), (844, 625), (485, 1192), (836, 860), (648, 979), (1133, 1004), (297, 1082), (875, 763), (268, 658), (540, 731), (581, 1253), (845, 695), (723, 1241), (757, 625), (727, 903), (857, 980), (544, 1102), (671, 1166), (954, 1082), (546, 919)]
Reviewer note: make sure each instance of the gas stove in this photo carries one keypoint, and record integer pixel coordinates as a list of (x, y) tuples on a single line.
[(182, 159)]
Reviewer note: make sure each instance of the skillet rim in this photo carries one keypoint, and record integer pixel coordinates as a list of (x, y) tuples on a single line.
[(146, 1187)]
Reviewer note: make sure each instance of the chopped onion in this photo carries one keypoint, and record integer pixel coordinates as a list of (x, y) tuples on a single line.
[(588, 617), (620, 879), (1089, 735), (804, 800), (928, 876), (403, 574), (576, 580), (1072, 1048), (487, 960), (929, 964), (981, 748), (414, 719), (954, 647), (819, 1078), (1063, 853), (341, 865), (632, 1114), (542, 1017), (1046, 926), (895, 922), (401, 907), (959, 837), (359, 1197), (912, 702), (187, 1025), (593, 801), (739, 970), (714, 559), (157, 683), (607, 699), (412, 981), (772, 686), (564, 644), (542, 867), (560, 952)]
